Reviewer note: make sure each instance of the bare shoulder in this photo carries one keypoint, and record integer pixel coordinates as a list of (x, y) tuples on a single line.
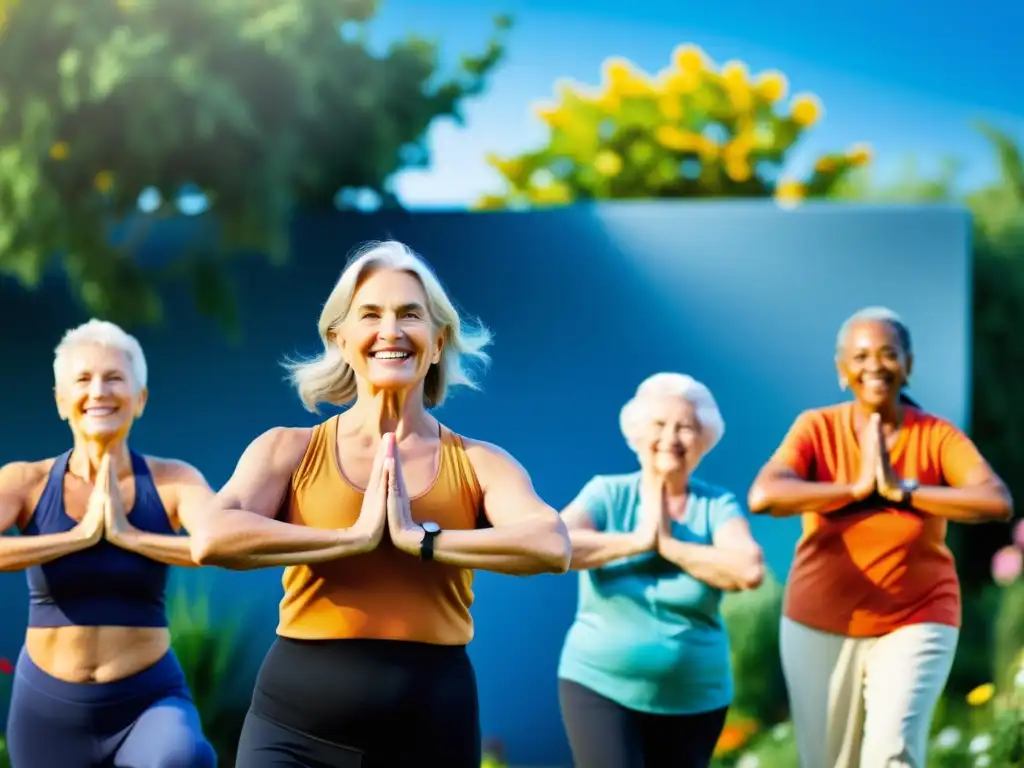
[(489, 459), (282, 447), (22, 476), (173, 471)]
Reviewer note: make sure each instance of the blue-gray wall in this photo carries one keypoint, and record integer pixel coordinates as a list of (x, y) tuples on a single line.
[(584, 304)]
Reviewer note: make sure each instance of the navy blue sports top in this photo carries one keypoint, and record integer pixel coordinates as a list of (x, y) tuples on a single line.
[(103, 585)]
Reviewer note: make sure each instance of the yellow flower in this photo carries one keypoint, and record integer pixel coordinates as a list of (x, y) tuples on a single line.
[(608, 163), (671, 137), (825, 165), (551, 114), (772, 86), (860, 154), (734, 74), (671, 107), (60, 151), (738, 169), (682, 83), (103, 181), (806, 109), (708, 150), (789, 193), (981, 695), (617, 70), (511, 168), (689, 58), (737, 85), (556, 193), (738, 150), (622, 77), (489, 203)]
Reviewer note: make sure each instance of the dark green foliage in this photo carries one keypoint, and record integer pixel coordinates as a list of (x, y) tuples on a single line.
[(260, 105)]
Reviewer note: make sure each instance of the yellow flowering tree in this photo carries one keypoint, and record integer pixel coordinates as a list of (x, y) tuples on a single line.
[(109, 109), (692, 130)]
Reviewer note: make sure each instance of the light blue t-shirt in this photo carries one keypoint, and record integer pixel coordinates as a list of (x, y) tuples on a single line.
[(647, 635)]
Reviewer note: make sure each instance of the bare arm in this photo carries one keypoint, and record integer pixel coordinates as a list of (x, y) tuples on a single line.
[(976, 496), (237, 529), (20, 552), (528, 537), (592, 548), (190, 495), (733, 561), (780, 492)]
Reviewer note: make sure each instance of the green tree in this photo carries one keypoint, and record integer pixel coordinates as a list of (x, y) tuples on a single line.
[(262, 106), (692, 130)]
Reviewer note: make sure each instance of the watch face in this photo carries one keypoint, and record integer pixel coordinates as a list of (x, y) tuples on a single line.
[(430, 527), (910, 484)]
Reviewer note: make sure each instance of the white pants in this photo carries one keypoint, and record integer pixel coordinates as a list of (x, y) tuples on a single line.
[(865, 702)]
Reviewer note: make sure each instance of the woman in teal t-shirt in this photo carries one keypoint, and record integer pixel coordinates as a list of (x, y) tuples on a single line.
[(645, 678)]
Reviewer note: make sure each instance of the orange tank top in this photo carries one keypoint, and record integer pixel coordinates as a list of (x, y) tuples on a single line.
[(866, 573), (385, 594)]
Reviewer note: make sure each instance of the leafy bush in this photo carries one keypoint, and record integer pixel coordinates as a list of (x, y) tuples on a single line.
[(217, 663), (111, 111), (692, 130), (5, 759), (752, 619)]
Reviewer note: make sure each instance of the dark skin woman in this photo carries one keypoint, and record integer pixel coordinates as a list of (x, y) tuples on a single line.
[(872, 610)]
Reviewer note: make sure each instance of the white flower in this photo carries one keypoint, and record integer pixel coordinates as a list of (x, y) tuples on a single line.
[(749, 761), (948, 737), (982, 761), (781, 731), (1018, 679), (979, 744)]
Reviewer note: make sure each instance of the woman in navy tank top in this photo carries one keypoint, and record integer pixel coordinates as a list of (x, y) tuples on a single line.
[(97, 683)]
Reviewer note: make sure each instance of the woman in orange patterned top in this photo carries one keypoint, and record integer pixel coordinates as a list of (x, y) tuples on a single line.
[(872, 607), (381, 514)]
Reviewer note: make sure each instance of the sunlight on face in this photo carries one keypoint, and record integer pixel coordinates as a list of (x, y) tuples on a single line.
[(96, 393), (388, 337), (668, 438), (873, 363)]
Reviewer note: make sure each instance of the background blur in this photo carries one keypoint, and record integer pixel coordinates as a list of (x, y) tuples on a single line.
[(680, 189)]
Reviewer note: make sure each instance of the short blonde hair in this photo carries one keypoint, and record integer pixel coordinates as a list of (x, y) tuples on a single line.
[(679, 385), (104, 334), (327, 378)]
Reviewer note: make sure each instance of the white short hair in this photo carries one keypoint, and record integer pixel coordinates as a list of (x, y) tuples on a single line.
[(104, 334), (327, 378), (679, 385), (874, 314)]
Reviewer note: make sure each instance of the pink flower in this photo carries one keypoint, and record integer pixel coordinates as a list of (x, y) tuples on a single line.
[(1018, 534), (6, 667), (1007, 565)]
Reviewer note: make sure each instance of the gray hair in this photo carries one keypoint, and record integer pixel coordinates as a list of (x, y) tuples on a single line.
[(104, 334), (874, 314), (327, 378), (674, 385)]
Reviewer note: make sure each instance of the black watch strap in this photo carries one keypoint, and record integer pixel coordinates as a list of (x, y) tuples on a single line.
[(430, 532)]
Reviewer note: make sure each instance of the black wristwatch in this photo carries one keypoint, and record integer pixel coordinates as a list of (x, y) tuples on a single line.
[(907, 488), (430, 532)]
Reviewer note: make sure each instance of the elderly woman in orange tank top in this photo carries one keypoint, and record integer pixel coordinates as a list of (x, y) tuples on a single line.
[(381, 515), (872, 608)]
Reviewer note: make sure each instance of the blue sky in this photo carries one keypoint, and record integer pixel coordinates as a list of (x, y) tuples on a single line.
[(906, 77)]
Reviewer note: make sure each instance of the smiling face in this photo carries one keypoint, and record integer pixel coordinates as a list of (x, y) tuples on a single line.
[(387, 337), (874, 364), (668, 438), (96, 393)]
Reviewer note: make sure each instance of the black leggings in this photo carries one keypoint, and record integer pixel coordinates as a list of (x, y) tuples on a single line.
[(362, 704), (604, 734)]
